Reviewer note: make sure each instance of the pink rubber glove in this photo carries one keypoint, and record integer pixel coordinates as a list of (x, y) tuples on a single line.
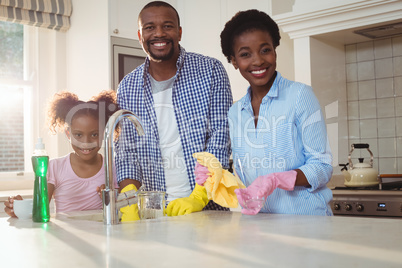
[(201, 174), (262, 187)]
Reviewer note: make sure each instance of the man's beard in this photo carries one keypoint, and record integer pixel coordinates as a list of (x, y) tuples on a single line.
[(160, 58)]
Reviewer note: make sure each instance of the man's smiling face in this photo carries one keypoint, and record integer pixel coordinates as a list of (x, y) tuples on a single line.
[(159, 33)]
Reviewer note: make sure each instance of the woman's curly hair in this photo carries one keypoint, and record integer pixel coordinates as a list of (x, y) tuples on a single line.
[(65, 106), (245, 21)]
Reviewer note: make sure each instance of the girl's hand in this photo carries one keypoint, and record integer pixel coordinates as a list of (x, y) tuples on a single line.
[(9, 205), (99, 190)]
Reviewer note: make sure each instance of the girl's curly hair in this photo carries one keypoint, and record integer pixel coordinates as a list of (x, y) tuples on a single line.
[(65, 106), (245, 21)]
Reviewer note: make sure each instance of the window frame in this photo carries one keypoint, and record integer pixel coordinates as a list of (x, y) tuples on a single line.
[(29, 85)]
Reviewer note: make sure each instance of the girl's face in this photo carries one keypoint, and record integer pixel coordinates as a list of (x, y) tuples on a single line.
[(85, 136), (255, 57)]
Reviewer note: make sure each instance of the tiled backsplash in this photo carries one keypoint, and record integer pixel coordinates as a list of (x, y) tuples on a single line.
[(374, 88)]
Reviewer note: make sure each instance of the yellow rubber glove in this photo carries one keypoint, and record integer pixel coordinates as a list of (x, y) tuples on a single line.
[(197, 200), (129, 213)]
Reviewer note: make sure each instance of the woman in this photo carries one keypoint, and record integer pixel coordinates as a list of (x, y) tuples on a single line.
[(277, 129)]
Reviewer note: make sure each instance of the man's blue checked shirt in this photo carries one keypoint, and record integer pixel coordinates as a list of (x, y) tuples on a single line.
[(201, 99)]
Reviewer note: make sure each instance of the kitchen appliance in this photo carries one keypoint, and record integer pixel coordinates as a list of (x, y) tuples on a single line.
[(127, 54), (360, 174), (382, 200)]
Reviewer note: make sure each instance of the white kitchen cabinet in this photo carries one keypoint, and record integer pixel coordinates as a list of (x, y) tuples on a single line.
[(123, 16)]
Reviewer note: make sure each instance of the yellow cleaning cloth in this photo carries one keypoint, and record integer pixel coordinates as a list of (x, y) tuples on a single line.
[(220, 185)]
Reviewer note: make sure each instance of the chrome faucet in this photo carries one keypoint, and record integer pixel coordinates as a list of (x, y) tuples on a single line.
[(112, 201)]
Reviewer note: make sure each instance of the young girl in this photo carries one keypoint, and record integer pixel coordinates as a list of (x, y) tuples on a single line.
[(277, 130), (75, 179)]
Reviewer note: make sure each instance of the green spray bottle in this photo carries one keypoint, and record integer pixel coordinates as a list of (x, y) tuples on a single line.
[(40, 161)]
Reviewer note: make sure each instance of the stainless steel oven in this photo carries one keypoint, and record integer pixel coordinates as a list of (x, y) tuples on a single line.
[(382, 200), (127, 54)]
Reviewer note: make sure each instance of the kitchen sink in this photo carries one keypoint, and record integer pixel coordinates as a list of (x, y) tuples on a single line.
[(89, 217)]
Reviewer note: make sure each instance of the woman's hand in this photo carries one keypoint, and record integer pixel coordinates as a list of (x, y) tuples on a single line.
[(251, 197), (201, 174), (9, 205)]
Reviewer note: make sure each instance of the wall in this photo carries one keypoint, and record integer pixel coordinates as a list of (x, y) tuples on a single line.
[(319, 30), (87, 47), (374, 88), (328, 80), (51, 77), (87, 59), (201, 33), (77, 61)]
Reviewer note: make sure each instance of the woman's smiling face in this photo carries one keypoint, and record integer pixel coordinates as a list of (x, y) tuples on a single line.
[(85, 136), (255, 57)]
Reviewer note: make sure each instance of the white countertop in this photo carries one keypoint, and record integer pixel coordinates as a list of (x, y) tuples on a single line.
[(203, 239)]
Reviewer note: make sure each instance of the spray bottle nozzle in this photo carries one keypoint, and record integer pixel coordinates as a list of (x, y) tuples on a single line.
[(39, 144)]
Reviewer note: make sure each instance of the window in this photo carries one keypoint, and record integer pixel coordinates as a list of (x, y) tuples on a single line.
[(11, 50), (15, 90)]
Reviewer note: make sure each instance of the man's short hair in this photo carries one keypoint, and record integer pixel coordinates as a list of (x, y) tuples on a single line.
[(160, 4)]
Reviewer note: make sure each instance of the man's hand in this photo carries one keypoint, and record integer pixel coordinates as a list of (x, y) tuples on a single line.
[(195, 202)]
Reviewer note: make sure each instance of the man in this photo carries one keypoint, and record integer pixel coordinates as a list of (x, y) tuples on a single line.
[(182, 100)]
